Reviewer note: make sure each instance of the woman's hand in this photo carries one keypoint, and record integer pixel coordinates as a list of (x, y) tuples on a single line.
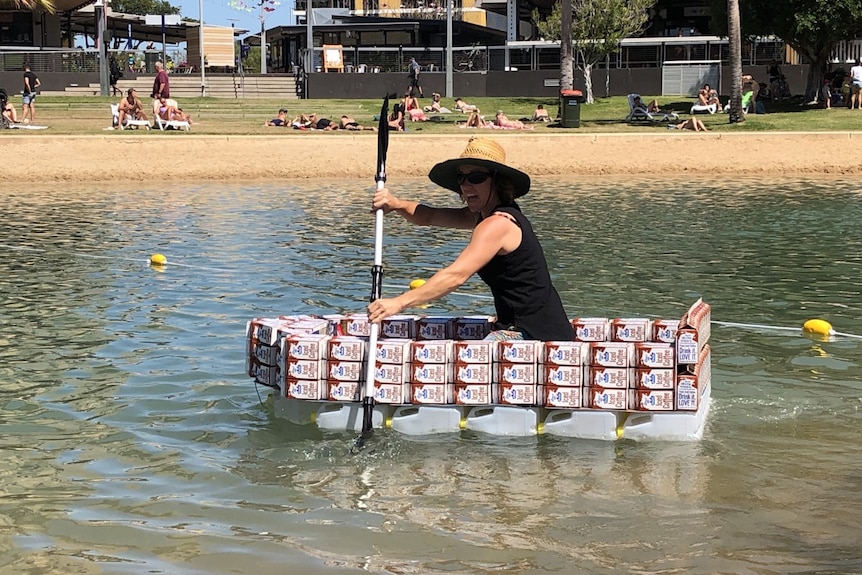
[(384, 200), (382, 308)]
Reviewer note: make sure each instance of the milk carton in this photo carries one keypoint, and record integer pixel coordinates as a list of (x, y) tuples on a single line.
[(516, 373), (517, 394), (435, 328), (664, 330), (304, 368), (559, 396), (474, 351), (432, 393), (305, 346), (391, 372), (268, 375), (693, 381), (305, 389), (471, 327), (343, 390), (394, 393), (566, 352), (568, 375), (396, 350), (649, 378), (611, 354), (473, 393), (592, 328), (437, 351), (655, 355), (651, 399), (345, 371), (346, 348), (609, 377), (265, 354), (518, 351), (399, 326), (599, 398), (356, 324), (693, 333), (631, 329), (430, 373), (472, 373)]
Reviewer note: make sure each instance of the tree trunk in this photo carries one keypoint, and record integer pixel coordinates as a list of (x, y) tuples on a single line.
[(734, 37), (588, 83), (566, 68)]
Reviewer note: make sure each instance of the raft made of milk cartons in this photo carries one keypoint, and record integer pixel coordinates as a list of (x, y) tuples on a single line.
[(634, 378)]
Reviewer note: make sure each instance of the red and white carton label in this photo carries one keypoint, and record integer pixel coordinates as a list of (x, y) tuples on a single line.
[(630, 329), (356, 324), (599, 398), (651, 399), (611, 354), (433, 393), (518, 393), (399, 326), (690, 384), (393, 350), (512, 373), (305, 389), (392, 393), (347, 348), (345, 370), (305, 346), (693, 333), (439, 351), (472, 393), (391, 372), (304, 368), (265, 354), (518, 351), (566, 352), (430, 372), (655, 354), (610, 377), (269, 375), (267, 330), (568, 375), (435, 328), (471, 327), (474, 351), (650, 378), (472, 373), (562, 396), (664, 330), (592, 328), (343, 390)]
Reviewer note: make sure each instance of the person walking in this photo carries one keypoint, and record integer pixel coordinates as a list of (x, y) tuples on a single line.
[(161, 84), (31, 84), (856, 85), (413, 73), (115, 75)]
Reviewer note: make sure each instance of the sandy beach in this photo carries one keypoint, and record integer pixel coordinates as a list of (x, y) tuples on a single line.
[(41, 157)]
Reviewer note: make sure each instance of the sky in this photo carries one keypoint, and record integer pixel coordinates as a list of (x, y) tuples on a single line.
[(241, 13)]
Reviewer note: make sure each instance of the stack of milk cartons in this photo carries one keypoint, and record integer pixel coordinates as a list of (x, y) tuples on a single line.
[(693, 357), (562, 380), (431, 361), (264, 337), (392, 359), (516, 372)]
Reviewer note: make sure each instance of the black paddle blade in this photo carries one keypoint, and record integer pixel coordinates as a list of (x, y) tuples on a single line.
[(383, 139)]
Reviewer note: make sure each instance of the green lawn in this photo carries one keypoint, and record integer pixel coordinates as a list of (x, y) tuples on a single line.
[(89, 115)]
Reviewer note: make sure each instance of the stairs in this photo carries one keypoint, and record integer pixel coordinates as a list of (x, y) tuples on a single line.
[(189, 86)]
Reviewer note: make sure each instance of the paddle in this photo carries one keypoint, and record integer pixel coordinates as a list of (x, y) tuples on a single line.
[(376, 276)]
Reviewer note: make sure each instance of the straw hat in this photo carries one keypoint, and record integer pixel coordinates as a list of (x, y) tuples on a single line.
[(479, 152)]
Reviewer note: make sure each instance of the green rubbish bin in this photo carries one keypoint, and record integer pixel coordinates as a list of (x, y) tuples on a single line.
[(570, 108)]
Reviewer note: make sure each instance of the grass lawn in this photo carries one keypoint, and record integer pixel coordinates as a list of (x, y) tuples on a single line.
[(90, 115)]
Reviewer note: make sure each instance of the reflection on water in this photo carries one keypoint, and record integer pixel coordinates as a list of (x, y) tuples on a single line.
[(132, 441)]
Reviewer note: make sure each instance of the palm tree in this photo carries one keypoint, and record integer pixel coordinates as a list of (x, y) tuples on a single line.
[(42, 5), (734, 38), (566, 65)]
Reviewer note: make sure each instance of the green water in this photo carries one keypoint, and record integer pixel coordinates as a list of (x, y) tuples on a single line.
[(132, 442)]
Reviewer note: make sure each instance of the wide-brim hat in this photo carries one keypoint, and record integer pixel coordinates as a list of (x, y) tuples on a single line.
[(483, 152)]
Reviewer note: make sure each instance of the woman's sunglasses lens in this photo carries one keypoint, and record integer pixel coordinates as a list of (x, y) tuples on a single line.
[(473, 177)]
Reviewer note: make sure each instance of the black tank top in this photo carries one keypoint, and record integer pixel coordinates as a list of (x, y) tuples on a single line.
[(523, 293)]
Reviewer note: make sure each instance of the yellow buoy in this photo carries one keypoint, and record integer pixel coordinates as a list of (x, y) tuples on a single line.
[(417, 284), (158, 260), (818, 327)]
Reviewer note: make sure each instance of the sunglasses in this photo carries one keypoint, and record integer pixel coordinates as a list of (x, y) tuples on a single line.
[(473, 177)]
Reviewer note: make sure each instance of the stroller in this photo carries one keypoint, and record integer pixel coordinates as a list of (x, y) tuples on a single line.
[(4, 100)]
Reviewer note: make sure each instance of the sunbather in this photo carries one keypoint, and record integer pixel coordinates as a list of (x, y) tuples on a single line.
[(694, 124), (540, 114), (130, 108), (464, 106), (348, 123), (503, 121), (279, 120)]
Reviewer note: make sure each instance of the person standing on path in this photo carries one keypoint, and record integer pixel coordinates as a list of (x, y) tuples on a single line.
[(161, 85), (856, 85), (31, 84), (413, 73)]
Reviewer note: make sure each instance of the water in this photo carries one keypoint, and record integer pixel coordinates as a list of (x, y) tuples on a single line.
[(132, 442)]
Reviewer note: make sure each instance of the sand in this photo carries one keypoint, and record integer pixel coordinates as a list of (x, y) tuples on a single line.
[(41, 157)]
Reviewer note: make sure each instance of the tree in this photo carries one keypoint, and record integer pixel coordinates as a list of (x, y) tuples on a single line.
[(811, 27), (567, 55), (144, 7), (43, 5), (598, 27), (734, 37)]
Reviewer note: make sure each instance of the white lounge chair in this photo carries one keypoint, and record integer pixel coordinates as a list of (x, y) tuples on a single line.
[(130, 122), (162, 124), (640, 114), (696, 108)]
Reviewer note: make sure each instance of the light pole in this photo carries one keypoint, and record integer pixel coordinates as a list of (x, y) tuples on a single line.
[(201, 48), (449, 48), (102, 15)]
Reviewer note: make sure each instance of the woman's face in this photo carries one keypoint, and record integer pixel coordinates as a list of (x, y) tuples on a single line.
[(477, 187)]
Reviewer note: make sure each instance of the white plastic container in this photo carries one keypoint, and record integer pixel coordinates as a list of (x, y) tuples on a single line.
[(300, 412), (504, 420), (348, 416), (669, 426), (428, 419), (582, 423)]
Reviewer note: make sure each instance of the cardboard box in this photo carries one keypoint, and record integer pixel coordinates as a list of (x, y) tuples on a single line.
[(518, 351), (432, 393), (592, 328), (611, 354), (599, 398), (631, 329), (472, 373), (345, 370), (693, 333), (439, 351), (651, 399), (396, 350), (693, 381), (399, 327), (472, 327), (391, 372), (268, 375), (559, 396), (343, 390), (346, 348), (435, 328), (563, 375), (518, 394), (472, 393), (305, 346), (664, 330), (265, 354), (650, 378), (473, 351), (393, 393), (430, 373), (305, 368), (516, 373), (356, 324), (566, 352), (655, 354), (305, 389), (610, 377), (266, 331)]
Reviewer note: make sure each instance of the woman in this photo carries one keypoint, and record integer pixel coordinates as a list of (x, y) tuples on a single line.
[(503, 249)]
